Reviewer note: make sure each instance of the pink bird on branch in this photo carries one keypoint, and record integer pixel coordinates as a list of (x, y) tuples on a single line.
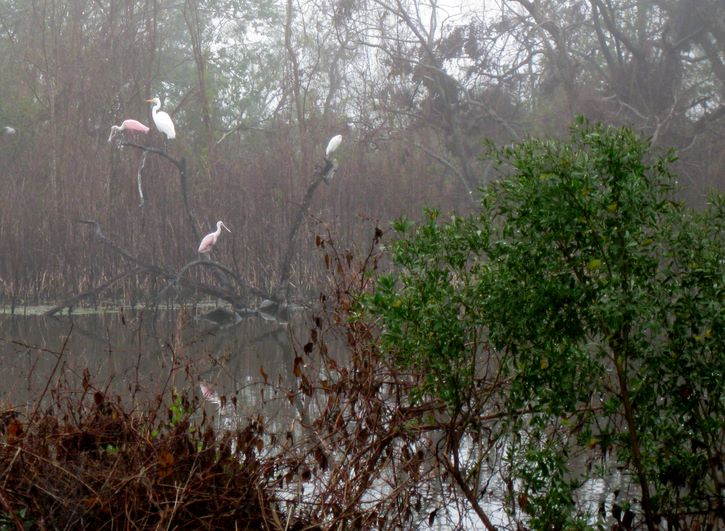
[(128, 125), (210, 239)]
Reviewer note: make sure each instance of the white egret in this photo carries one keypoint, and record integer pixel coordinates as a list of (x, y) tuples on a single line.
[(162, 120), (8, 130), (332, 145)]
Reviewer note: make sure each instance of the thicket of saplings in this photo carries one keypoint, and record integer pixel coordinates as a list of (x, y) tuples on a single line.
[(572, 332)]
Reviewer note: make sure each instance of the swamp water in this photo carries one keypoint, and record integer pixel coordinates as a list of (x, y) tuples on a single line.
[(138, 354)]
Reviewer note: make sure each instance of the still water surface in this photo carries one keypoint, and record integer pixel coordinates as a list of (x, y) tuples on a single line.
[(139, 354)]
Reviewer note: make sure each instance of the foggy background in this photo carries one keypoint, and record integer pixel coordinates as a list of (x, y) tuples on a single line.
[(256, 88)]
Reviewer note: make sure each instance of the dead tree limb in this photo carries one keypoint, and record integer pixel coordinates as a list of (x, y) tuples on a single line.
[(181, 167), (69, 303), (209, 263), (281, 293), (326, 174), (173, 278), (138, 178)]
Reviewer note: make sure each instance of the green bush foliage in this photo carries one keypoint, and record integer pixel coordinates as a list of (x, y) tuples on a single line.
[(602, 298)]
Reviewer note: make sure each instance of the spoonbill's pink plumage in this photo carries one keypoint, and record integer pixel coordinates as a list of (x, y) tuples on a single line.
[(128, 125), (210, 239)]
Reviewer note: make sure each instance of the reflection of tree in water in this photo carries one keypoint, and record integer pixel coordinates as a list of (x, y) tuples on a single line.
[(133, 352)]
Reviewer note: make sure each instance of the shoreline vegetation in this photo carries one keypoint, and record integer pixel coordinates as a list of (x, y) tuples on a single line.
[(483, 242), (554, 361)]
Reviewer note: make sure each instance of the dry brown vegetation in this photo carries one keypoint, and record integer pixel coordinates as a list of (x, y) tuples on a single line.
[(357, 454), (98, 466)]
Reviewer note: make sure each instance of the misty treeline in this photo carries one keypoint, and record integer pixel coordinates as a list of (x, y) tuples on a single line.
[(256, 88)]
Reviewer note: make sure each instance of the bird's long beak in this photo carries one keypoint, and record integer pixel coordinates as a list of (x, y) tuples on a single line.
[(149, 101), (226, 227)]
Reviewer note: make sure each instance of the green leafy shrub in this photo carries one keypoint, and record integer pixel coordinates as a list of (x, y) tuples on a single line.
[(602, 298)]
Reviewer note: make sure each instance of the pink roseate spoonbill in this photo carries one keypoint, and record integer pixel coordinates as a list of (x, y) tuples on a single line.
[(209, 393), (332, 145), (128, 125), (210, 239), (162, 120)]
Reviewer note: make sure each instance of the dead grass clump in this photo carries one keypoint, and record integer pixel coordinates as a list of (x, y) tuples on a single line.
[(101, 467)]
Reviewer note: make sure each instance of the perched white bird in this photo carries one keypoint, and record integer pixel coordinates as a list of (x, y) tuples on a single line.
[(162, 120), (210, 239), (9, 130), (332, 145)]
